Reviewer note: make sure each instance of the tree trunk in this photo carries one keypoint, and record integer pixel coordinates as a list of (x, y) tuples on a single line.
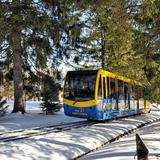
[(103, 48), (1, 82), (103, 55), (17, 72)]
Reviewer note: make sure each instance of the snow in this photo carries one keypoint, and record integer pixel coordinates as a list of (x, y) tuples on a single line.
[(76, 142), (33, 118), (125, 148)]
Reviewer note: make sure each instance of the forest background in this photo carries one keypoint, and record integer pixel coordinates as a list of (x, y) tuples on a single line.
[(37, 37)]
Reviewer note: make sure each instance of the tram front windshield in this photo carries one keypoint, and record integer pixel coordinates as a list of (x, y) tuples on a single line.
[(80, 87)]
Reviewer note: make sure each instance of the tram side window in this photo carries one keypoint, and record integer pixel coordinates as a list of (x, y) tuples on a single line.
[(100, 88), (104, 87), (140, 93), (113, 89), (143, 93), (132, 93), (125, 92), (136, 93), (146, 94), (120, 90), (129, 95), (108, 86)]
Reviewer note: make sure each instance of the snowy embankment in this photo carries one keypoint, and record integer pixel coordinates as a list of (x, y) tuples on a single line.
[(125, 147), (67, 144)]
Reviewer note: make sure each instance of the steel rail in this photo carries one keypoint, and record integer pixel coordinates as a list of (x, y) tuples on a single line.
[(27, 133), (36, 131)]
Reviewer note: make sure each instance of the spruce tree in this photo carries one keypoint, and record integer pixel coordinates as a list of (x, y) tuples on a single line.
[(147, 44), (33, 33), (24, 31)]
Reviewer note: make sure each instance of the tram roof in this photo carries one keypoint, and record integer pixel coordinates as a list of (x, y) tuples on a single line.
[(82, 72), (116, 76), (106, 73)]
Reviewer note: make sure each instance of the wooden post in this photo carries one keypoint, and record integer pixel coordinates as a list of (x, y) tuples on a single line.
[(142, 151)]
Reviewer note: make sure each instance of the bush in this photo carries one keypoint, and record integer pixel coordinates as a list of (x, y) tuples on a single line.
[(50, 96), (3, 106), (50, 108)]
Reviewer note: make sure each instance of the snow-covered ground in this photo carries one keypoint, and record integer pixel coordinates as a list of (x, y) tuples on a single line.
[(125, 148), (74, 143), (33, 118)]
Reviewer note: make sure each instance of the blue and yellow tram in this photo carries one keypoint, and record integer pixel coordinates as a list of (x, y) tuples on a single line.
[(101, 95)]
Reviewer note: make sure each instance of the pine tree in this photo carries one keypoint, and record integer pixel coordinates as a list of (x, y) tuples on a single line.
[(147, 44), (16, 23), (111, 37), (50, 94), (28, 34)]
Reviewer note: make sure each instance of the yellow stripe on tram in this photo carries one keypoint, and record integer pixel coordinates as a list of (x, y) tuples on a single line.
[(80, 104)]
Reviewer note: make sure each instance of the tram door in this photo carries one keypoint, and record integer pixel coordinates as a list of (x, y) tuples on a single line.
[(137, 94), (121, 95), (126, 95), (100, 93), (132, 97), (142, 102), (104, 92), (113, 94)]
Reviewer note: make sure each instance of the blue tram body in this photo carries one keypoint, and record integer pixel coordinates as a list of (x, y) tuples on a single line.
[(102, 95)]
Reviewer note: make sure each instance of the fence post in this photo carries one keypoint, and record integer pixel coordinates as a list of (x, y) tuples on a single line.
[(142, 151)]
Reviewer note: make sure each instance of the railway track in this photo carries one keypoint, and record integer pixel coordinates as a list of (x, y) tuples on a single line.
[(36, 131), (27, 133)]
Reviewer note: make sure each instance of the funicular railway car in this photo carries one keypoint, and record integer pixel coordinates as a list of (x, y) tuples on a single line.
[(102, 95)]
